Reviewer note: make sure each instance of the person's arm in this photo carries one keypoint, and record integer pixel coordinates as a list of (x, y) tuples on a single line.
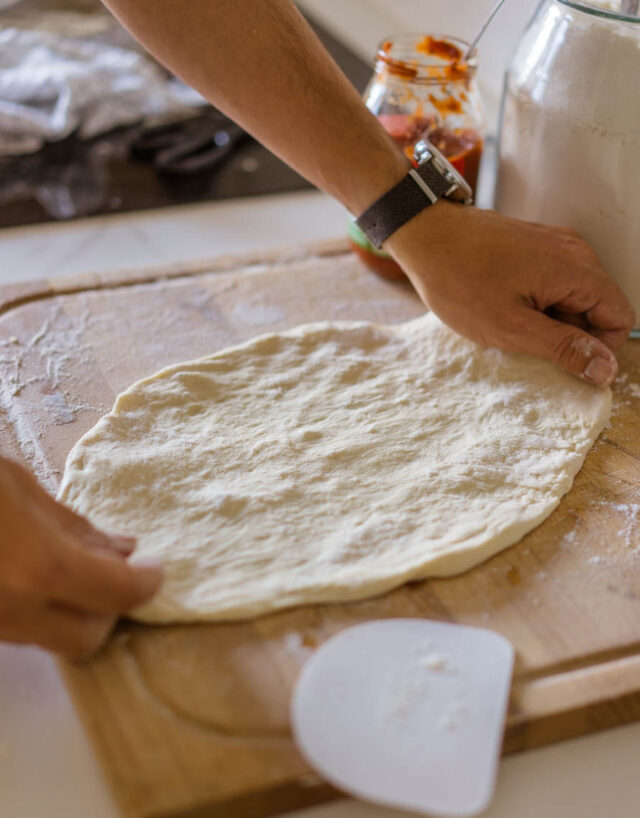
[(260, 63), (62, 583), (496, 280)]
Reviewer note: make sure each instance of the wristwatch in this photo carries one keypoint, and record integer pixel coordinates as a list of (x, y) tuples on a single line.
[(433, 177)]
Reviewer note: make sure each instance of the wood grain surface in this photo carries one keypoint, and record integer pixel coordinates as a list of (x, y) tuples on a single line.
[(191, 721)]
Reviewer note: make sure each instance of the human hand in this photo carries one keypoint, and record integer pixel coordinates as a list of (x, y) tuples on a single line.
[(516, 286), (62, 582)]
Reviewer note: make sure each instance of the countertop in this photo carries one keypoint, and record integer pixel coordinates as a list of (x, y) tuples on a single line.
[(47, 769)]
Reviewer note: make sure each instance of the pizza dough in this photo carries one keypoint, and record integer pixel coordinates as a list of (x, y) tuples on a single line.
[(329, 463)]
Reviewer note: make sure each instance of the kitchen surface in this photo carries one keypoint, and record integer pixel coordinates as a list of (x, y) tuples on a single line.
[(566, 688)]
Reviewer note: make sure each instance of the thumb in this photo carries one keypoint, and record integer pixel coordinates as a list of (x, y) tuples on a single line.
[(569, 347)]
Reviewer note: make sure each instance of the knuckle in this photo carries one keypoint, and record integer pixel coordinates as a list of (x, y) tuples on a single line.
[(23, 578), (578, 247), (570, 232), (44, 574), (38, 575), (630, 318), (573, 349)]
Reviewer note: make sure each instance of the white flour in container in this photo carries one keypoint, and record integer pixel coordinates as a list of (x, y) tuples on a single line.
[(570, 142)]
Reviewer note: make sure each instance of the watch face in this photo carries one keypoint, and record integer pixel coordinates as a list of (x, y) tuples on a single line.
[(424, 151)]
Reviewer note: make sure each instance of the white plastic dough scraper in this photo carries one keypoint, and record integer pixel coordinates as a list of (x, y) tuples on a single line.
[(408, 713)]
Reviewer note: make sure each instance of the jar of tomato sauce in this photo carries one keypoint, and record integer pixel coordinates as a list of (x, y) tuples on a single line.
[(423, 88)]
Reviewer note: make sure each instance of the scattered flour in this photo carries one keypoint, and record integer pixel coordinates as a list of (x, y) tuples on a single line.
[(49, 351), (423, 647), (454, 716), (438, 662), (570, 537), (628, 530), (404, 697), (625, 393), (257, 314), (405, 693), (627, 516), (296, 648)]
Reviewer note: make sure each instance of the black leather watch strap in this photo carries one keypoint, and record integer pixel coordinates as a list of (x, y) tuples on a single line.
[(401, 203)]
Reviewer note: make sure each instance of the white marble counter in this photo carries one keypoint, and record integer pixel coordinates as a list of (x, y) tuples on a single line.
[(167, 235)]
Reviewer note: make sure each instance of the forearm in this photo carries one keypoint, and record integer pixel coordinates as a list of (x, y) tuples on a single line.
[(260, 63), (485, 275)]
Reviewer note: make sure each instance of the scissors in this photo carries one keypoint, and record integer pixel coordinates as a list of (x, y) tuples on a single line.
[(189, 146)]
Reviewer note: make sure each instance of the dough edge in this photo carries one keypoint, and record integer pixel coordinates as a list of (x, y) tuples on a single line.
[(455, 560)]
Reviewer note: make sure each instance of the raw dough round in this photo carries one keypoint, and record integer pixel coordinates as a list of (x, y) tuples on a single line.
[(331, 462)]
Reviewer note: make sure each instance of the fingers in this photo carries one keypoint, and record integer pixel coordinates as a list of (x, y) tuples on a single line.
[(614, 339), (100, 582), (68, 632), (575, 319), (86, 569), (90, 536), (60, 516), (597, 305), (612, 318), (601, 303), (73, 634), (62, 582), (571, 348), (612, 311), (122, 543)]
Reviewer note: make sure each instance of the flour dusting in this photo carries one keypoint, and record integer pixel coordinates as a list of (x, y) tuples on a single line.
[(628, 528), (403, 699), (454, 716), (438, 662), (31, 401), (625, 393), (569, 538), (296, 648)]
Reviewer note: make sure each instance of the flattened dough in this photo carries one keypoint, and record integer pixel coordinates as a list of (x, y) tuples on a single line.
[(329, 463)]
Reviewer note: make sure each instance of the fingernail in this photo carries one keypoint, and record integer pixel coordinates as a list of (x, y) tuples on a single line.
[(152, 568), (147, 562), (600, 371), (127, 544)]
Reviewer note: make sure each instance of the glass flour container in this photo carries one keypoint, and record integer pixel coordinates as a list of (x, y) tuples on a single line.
[(421, 87), (570, 134)]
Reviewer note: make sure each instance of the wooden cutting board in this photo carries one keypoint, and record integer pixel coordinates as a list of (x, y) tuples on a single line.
[(192, 721)]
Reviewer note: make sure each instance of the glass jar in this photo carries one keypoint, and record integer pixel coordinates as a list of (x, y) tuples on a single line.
[(421, 87), (569, 149)]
